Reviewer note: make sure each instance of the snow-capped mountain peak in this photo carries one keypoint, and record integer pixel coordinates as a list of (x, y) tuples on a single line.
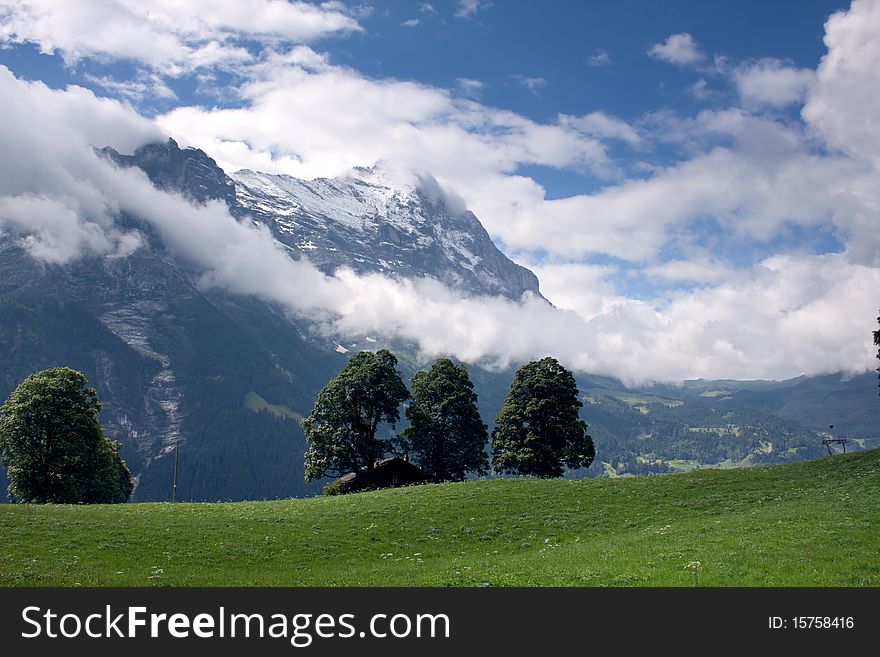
[(372, 219)]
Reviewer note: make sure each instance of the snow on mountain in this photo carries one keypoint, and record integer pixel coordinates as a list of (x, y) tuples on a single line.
[(370, 223)]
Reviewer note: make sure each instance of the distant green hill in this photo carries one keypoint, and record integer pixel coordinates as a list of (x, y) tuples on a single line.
[(851, 404), (813, 523), (726, 423)]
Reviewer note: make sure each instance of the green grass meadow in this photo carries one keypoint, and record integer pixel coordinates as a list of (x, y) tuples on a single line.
[(815, 523)]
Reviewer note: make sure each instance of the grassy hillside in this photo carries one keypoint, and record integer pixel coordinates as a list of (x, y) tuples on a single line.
[(813, 523)]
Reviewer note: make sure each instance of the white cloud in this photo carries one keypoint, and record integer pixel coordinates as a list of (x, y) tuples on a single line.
[(46, 196), (324, 122), (844, 104), (599, 58), (599, 124), (469, 8), (412, 22), (584, 288), (168, 36), (51, 231), (469, 86), (701, 90), (532, 83), (73, 115), (808, 314), (843, 108), (700, 270), (143, 86), (789, 315), (677, 49), (752, 190), (771, 82)]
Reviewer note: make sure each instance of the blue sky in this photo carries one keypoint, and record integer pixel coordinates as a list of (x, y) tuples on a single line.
[(693, 176), (563, 43), (535, 59)]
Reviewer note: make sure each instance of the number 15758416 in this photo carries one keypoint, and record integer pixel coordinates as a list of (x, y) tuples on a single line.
[(811, 623)]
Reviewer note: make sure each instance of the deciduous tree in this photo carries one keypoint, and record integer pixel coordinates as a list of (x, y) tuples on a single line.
[(446, 437), (53, 445), (341, 430), (538, 431)]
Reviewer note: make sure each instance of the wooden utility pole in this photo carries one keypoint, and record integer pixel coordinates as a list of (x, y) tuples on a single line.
[(176, 464)]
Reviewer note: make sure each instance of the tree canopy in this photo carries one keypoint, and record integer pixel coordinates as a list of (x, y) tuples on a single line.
[(538, 430), (446, 436), (341, 430), (53, 445)]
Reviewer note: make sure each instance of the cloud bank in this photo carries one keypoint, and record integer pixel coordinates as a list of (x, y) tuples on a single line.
[(168, 36)]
